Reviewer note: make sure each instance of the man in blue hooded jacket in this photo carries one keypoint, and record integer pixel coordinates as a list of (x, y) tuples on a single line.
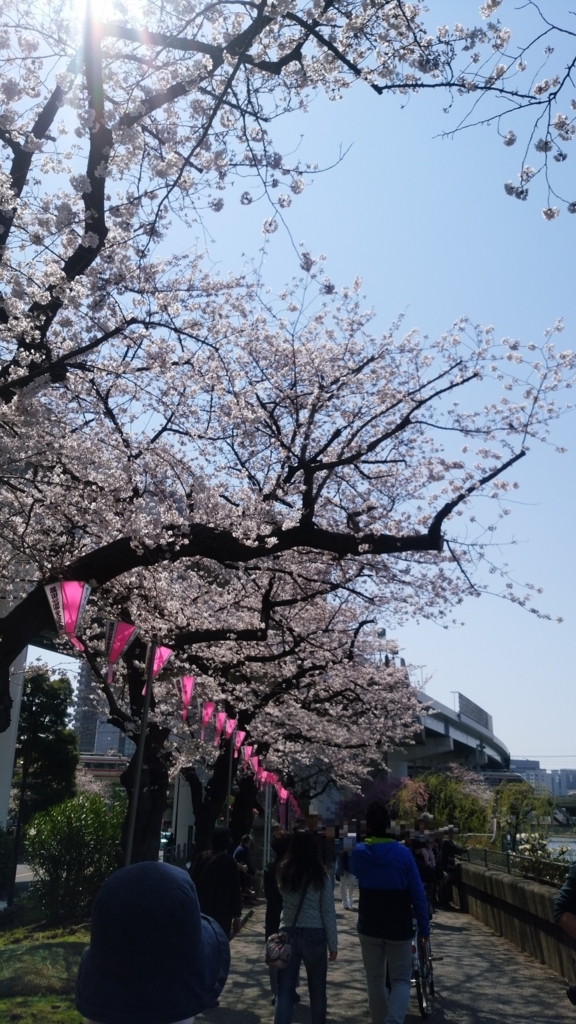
[(391, 894)]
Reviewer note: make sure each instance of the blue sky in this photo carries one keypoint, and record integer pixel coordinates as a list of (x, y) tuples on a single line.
[(426, 223)]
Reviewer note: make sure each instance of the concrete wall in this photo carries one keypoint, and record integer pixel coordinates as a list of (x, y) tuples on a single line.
[(519, 910)]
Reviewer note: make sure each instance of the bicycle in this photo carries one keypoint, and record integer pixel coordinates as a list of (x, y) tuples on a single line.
[(422, 972)]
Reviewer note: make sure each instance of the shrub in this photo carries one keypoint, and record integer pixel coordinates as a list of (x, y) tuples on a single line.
[(536, 860), (71, 848)]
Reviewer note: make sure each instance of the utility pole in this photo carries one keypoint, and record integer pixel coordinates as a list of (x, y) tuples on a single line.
[(229, 787), (26, 762), (140, 757)]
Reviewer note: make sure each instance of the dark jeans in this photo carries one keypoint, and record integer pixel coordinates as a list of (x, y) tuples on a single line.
[(308, 945)]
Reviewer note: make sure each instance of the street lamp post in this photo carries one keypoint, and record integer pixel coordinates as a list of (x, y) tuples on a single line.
[(140, 757), (26, 761), (229, 786)]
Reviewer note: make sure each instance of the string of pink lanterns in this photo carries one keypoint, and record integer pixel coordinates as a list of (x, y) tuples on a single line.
[(67, 600)]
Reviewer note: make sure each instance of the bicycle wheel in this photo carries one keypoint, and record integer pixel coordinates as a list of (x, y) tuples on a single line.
[(421, 994), (427, 969)]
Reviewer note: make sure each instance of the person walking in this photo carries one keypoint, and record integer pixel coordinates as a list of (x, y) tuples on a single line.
[(279, 843), (153, 957), (347, 881), (217, 880), (309, 917), (565, 915), (391, 893), (243, 857), (446, 871)]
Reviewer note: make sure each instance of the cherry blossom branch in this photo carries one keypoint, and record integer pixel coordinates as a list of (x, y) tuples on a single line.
[(437, 523), (104, 564), (22, 162)]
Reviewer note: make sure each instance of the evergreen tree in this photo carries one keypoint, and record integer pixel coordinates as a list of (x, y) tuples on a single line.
[(46, 750)]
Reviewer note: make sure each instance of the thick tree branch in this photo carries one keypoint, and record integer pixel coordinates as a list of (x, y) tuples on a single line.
[(22, 161), (55, 366), (146, 38)]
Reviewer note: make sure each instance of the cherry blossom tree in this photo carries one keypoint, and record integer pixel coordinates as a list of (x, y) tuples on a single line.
[(198, 450), (314, 703), (289, 461), (116, 132), (526, 88)]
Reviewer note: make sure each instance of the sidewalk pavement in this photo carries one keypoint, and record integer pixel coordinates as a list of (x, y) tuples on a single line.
[(481, 979)]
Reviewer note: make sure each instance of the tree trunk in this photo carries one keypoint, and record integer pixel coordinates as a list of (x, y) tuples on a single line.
[(152, 798), (245, 800), (208, 801)]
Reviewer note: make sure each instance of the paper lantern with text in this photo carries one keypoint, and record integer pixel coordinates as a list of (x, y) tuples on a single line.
[(119, 636), (67, 601), (238, 741), (187, 687), (207, 712), (161, 656), (229, 728), (220, 720)]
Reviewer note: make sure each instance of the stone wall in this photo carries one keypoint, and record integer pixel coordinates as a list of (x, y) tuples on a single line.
[(519, 910)]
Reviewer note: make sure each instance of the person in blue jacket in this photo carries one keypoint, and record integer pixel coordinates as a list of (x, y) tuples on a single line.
[(391, 894)]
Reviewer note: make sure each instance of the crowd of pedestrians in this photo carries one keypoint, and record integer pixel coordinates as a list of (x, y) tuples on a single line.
[(181, 925)]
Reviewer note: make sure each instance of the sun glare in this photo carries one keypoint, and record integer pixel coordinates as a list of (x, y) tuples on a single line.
[(130, 11)]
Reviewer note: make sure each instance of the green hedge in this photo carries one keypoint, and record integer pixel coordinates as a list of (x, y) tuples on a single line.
[(71, 848)]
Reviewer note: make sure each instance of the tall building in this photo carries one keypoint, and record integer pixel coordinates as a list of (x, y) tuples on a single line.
[(85, 713), (532, 772), (563, 781), (95, 734)]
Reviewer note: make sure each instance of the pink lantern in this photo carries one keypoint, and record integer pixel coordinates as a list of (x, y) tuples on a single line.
[(229, 729), (247, 750), (119, 636), (207, 712), (238, 741), (254, 764), (187, 684), (220, 719), (161, 656), (67, 602)]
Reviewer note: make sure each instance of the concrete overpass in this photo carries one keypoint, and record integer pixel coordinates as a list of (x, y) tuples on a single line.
[(465, 736)]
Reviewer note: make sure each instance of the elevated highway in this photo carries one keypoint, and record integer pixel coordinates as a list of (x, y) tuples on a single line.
[(448, 735)]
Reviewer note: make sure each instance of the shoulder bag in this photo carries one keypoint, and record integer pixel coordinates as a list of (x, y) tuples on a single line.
[(279, 946)]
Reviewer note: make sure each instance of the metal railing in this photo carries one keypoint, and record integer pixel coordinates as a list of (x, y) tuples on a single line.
[(550, 871)]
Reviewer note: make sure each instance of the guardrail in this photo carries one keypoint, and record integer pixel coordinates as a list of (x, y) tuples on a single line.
[(552, 872)]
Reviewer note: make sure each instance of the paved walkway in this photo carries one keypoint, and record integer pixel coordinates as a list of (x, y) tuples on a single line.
[(481, 979)]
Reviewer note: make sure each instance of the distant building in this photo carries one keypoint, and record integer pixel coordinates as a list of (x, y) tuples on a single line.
[(108, 767), (563, 781), (532, 772), (85, 714), (94, 732)]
